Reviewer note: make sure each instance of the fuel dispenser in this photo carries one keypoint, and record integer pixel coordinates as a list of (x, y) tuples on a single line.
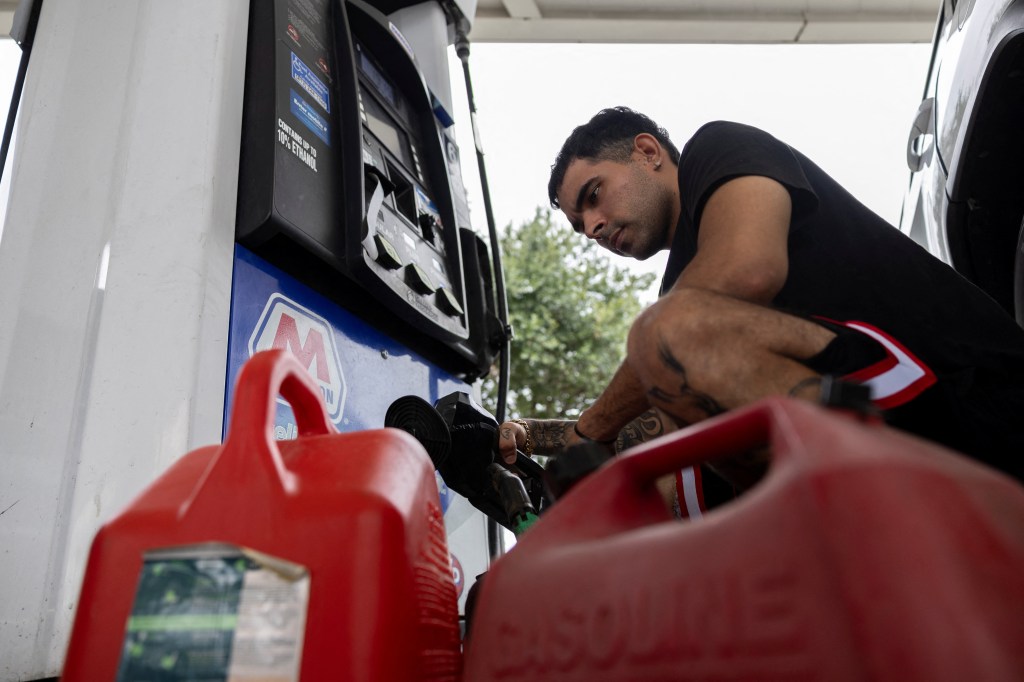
[(354, 249), (350, 175)]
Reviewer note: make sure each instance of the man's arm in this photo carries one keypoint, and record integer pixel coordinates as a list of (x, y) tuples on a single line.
[(622, 400), (742, 244), (552, 436), (741, 252)]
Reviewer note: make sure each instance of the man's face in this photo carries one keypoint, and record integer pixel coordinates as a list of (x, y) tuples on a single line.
[(620, 205)]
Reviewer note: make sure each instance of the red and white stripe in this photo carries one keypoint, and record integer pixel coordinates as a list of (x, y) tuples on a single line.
[(690, 493), (895, 380)]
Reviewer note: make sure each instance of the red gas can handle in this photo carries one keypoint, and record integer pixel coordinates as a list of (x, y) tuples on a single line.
[(266, 375), (734, 433)]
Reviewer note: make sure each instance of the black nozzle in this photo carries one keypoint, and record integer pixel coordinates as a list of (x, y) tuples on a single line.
[(461, 439), (416, 416), (518, 507)]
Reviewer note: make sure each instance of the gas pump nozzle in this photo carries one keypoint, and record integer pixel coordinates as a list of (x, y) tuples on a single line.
[(518, 507), (461, 439)]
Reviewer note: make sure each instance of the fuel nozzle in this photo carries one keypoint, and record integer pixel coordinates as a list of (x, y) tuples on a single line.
[(462, 441), (518, 507)]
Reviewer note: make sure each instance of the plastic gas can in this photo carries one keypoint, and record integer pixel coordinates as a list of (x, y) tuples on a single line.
[(864, 553), (322, 557)]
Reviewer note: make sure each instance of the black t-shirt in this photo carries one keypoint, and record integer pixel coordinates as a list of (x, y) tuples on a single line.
[(848, 264)]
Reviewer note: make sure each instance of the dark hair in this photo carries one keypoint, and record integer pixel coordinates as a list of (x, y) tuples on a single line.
[(608, 136)]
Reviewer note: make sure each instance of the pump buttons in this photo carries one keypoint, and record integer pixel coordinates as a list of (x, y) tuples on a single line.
[(386, 254), (447, 302), (418, 279)]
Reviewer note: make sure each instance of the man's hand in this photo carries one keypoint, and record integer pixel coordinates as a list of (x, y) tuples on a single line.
[(551, 437), (535, 437), (511, 437)]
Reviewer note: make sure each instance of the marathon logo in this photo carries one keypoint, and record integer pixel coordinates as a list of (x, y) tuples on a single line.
[(287, 325)]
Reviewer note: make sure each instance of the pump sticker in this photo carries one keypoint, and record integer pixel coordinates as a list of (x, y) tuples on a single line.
[(216, 612), (290, 139), (308, 81), (401, 40), (307, 114), (289, 326)]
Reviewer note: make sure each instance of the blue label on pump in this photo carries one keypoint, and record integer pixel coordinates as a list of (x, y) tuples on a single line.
[(309, 82), (307, 114)]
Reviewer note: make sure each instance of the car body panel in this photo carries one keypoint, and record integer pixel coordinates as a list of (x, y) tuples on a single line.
[(965, 200)]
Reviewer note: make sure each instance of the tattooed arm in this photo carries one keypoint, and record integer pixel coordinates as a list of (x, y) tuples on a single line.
[(551, 436), (622, 401), (648, 426)]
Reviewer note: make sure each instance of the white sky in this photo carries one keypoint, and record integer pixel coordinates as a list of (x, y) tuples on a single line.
[(848, 107)]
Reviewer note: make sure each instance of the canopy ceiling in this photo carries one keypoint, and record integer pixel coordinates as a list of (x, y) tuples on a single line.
[(689, 21), (705, 21)]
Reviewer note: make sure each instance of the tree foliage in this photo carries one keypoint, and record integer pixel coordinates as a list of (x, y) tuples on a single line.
[(571, 309)]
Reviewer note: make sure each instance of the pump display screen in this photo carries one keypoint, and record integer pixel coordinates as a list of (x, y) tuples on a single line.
[(385, 109), (382, 84), (387, 131)]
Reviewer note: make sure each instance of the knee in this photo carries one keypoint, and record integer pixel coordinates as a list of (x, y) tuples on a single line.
[(681, 318)]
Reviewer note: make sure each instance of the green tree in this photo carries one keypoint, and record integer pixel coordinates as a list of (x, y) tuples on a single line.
[(571, 309)]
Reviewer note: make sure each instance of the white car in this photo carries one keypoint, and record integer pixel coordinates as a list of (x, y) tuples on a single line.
[(965, 202)]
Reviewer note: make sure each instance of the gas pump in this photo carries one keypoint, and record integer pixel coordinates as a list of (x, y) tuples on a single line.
[(146, 276), (350, 174), (352, 220)]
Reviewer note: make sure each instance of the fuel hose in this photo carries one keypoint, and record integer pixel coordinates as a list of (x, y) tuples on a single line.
[(462, 50)]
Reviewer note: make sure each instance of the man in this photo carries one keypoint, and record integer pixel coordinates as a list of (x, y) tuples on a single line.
[(776, 276)]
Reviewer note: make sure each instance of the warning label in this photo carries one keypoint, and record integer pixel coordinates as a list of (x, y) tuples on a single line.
[(306, 20), (292, 141), (309, 82)]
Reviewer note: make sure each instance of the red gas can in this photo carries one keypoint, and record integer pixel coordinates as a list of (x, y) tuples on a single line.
[(319, 558), (863, 554)]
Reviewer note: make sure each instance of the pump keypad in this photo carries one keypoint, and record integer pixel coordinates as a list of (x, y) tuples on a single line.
[(447, 302), (386, 253), (418, 279)]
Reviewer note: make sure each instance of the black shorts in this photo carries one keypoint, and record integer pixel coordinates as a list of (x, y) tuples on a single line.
[(972, 410)]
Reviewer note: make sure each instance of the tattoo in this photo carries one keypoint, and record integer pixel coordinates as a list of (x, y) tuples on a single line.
[(666, 357), (550, 435), (507, 433), (642, 429), (658, 394), (687, 395)]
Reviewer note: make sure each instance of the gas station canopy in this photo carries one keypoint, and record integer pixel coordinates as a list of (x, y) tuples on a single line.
[(689, 21), (705, 21), (7, 8)]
